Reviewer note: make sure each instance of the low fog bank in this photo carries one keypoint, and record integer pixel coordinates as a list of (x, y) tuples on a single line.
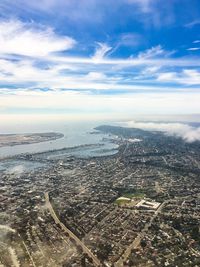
[(16, 170), (185, 131)]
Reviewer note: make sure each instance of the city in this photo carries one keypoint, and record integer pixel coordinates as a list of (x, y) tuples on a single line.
[(100, 133), (138, 207)]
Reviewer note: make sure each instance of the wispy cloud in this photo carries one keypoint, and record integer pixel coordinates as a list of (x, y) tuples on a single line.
[(193, 48), (154, 13), (39, 67), (196, 42), (155, 52), (101, 51), (144, 5), (193, 23), (149, 12), (129, 39)]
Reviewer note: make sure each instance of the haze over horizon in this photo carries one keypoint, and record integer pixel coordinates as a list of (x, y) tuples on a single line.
[(95, 59)]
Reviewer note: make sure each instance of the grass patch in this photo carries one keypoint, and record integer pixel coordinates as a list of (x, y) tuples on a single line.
[(126, 197), (135, 194), (121, 201), (130, 195)]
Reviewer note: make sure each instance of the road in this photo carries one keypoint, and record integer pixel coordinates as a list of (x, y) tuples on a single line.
[(29, 254), (72, 235), (164, 159), (139, 237)]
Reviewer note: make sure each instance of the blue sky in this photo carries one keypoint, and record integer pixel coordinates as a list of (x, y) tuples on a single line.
[(98, 58)]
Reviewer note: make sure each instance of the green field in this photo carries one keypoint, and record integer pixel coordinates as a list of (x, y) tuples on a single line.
[(121, 201), (135, 194)]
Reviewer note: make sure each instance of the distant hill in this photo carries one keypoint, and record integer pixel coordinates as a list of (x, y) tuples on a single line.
[(127, 132)]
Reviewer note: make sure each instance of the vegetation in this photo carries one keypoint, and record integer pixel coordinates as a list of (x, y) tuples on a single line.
[(129, 195), (121, 201), (135, 194)]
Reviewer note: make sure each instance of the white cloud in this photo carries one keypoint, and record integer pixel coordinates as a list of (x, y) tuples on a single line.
[(154, 12), (93, 76), (167, 77), (28, 39), (101, 51), (132, 61), (58, 72), (129, 39), (144, 5), (149, 72), (187, 77), (192, 23), (153, 69), (74, 10), (193, 48), (21, 72), (68, 75), (196, 42), (185, 131), (64, 76), (155, 52)]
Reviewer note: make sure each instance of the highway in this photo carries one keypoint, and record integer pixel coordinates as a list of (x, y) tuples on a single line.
[(72, 235)]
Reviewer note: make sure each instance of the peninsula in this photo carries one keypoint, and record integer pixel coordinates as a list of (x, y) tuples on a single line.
[(22, 139)]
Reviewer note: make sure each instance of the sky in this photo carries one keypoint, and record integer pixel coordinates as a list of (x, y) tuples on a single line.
[(99, 58)]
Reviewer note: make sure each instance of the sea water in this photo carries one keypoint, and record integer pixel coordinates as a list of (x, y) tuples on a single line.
[(75, 134)]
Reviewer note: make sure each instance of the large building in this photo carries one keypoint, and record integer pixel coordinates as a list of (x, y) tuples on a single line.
[(144, 204)]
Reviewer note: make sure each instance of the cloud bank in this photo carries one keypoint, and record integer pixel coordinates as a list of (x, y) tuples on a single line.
[(186, 132)]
